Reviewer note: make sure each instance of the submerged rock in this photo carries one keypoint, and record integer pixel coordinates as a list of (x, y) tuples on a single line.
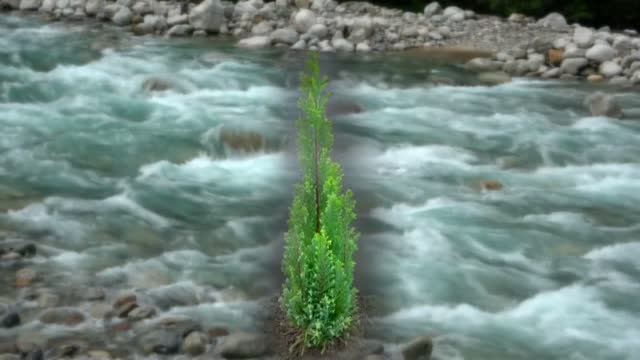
[(10, 320), (195, 343), (163, 341), (600, 104), (26, 277), (156, 85), (418, 349)]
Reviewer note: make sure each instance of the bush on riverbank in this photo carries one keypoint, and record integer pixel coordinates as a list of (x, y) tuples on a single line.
[(614, 13), (319, 298)]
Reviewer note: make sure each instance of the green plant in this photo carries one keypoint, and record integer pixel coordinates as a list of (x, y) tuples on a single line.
[(319, 297)]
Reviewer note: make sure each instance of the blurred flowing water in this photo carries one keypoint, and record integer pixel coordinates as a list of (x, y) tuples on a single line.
[(130, 189)]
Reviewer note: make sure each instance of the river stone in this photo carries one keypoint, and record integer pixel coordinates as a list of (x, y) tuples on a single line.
[(262, 28), (304, 20), (180, 30), (600, 104), (601, 53), (62, 316), (342, 45), (208, 16), (583, 37), (551, 73), (48, 6), (622, 43), (573, 66), (418, 349), (162, 341), (10, 320), (610, 69), (244, 10), (243, 345), (363, 47), (535, 61), (123, 16), (482, 65), (284, 36), (94, 7), (174, 295), (494, 78), (554, 21), (432, 9), (573, 52), (255, 42), (30, 4), (178, 19), (300, 45), (195, 343), (26, 277), (318, 31), (141, 313)]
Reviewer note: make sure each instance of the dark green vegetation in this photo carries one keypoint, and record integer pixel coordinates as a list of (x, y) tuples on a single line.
[(319, 297), (614, 13)]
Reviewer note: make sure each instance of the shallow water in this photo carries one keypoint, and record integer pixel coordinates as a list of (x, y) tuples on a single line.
[(128, 189)]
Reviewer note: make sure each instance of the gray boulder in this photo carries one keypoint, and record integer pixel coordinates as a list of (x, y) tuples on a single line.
[(48, 6), (243, 345), (30, 4), (304, 20), (610, 69), (262, 28), (432, 9), (94, 7), (123, 16), (284, 36), (583, 36), (178, 19), (555, 21), (342, 45), (573, 66), (601, 53), (207, 16), (600, 104), (318, 31)]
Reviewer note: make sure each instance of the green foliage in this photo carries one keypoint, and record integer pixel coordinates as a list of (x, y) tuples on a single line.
[(319, 296)]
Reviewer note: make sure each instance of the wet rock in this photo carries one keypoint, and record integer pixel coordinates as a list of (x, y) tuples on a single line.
[(243, 345), (124, 310), (62, 316), (163, 341), (600, 104), (208, 16), (94, 294), (494, 78), (491, 185), (26, 277), (71, 349), (255, 42), (601, 53), (216, 332), (10, 320), (141, 313), (195, 343), (156, 85), (418, 349), (244, 141), (482, 65), (180, 30), (180, 325), (8, 347)]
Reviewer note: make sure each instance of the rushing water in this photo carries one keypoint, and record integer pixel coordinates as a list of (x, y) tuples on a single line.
[(124, 188)]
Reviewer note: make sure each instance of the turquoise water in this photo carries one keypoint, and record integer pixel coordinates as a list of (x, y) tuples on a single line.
[(130, 189)]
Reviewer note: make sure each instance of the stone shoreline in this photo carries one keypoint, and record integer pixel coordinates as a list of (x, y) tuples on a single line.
[(547, 48)]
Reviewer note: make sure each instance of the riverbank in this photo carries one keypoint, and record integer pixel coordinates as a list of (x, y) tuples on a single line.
[(518, 46)]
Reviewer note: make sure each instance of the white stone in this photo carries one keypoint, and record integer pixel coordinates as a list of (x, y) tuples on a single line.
[(304, 20), (178, 20), (318, 31), (342, 45), (123, 16), (30, 4), (284, 36), (180, 30), (554, 21), (601, 53), (94, 7), (432, 9), (207, 16), (610, 69), (255, 42), (363, 47), (262, 28), (583, 37)]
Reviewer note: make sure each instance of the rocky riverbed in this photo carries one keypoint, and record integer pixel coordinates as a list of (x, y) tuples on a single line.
[(522, 46)]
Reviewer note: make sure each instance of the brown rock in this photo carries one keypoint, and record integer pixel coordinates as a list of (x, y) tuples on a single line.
[(491, 185), (124, 299), (555, 56), (595, 78), (124, 310), (216, 332), (26, 277), (418, 349), (242, 141), (62, 316)]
